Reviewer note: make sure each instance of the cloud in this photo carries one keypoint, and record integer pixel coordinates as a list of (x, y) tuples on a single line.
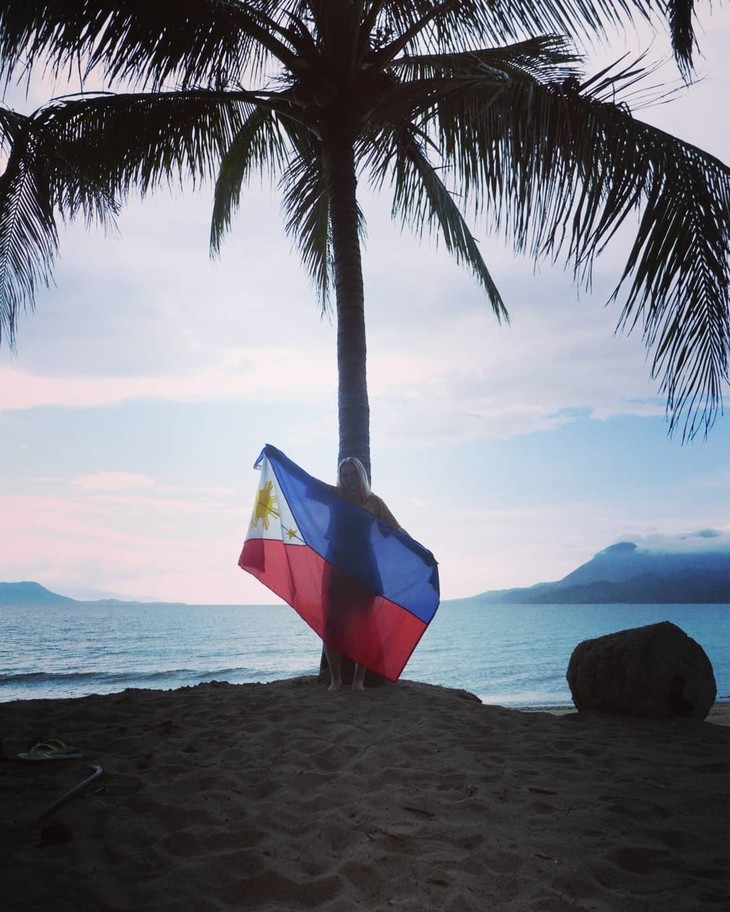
[(272, 374), (168, 549), (700, 540), (472, 380), (462, 376), (113, 481)]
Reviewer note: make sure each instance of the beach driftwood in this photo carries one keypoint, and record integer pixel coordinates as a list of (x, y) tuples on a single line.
[(656, 671)]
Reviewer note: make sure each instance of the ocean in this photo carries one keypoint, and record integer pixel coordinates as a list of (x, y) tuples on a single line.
[(509, 655)]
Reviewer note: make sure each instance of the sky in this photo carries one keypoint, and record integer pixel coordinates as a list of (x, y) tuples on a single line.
[(148, 379)]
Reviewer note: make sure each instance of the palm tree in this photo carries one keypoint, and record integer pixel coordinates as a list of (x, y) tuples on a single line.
[(470, 111)]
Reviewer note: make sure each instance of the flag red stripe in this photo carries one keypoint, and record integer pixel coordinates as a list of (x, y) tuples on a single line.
[(365, 627)]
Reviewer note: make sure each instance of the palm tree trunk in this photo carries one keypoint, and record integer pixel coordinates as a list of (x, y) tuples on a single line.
[(353, 406)]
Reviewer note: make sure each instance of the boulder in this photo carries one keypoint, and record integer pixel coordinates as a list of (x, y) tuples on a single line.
[(656, 671)]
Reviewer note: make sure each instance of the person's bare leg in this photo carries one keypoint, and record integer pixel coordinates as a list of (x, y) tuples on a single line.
[(334, 662), (358, 678)]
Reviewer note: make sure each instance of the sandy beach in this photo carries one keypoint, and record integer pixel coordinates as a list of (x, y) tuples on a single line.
[(408, 797)]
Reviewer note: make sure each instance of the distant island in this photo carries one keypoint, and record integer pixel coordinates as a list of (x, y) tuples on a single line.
[(30, 594), (33, 595), (625, 573), (622, 573)]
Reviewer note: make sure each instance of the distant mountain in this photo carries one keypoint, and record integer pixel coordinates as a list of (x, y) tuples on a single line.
[(31, 594), (626, 573)]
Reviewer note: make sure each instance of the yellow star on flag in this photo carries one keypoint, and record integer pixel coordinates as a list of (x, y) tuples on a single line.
[(265, 506)]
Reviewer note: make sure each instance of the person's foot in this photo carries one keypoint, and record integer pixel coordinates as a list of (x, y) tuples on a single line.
[(334, 685), (358, 678)]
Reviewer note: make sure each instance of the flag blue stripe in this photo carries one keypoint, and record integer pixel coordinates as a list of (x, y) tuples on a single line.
[(387, 561)]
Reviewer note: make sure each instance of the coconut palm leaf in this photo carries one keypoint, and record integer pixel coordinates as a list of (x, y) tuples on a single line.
[(422, 200), (42, 180), (146, 140), (306, 200), (146, 44), (190, 42), (268, 142), (679, 275), (546, 58), (257, 146), (80, 156), (28, 233)]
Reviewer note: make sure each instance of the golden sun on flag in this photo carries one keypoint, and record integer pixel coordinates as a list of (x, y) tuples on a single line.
[(265, 506)]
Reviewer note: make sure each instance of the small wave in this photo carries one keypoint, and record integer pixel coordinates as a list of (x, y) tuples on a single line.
[(219, 673), (43, 677), (37, 678)]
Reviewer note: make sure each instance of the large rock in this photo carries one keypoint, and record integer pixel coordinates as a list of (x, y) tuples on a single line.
[(655, 671)]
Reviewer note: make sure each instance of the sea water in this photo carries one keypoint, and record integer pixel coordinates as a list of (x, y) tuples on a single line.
[(511, 655)]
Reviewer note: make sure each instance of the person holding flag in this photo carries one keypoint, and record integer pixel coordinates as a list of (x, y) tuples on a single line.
[(353, 485), (339, 557)]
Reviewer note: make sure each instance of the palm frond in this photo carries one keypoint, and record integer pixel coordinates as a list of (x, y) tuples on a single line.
[(420, 84), (421, 200), (306, 202), (547, 58), (257, 146), (42, 180), (679, 275), (187, 42), (82, 156), (468, 22), (28, 233), (680, 14), (142, 141), (626, 82), (563, 171)]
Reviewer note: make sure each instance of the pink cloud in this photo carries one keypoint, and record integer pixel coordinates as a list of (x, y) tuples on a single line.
[(68, 544), (113, 481)]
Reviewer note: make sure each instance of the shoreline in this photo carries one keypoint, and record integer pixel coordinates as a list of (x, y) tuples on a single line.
[(282, 797), (719, 713)]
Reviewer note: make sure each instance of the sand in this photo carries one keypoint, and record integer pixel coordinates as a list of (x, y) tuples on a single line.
[(408, 797)]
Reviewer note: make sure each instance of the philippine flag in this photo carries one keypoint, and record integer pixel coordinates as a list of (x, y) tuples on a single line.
[(368, 590)]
